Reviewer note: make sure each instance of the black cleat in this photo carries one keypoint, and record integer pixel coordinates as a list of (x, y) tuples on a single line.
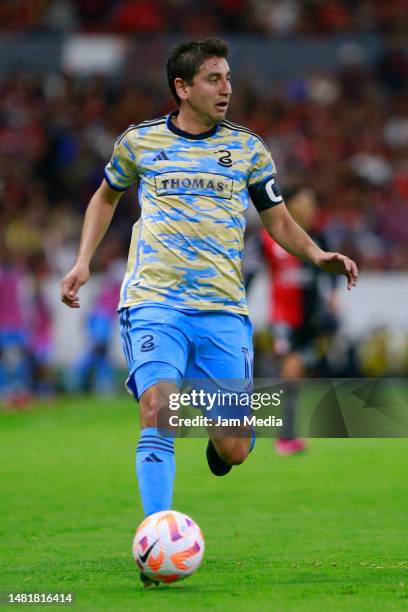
[(147, 582), (218, 466)]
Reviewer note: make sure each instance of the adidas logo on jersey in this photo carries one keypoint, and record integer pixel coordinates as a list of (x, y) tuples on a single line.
[(161, 155)]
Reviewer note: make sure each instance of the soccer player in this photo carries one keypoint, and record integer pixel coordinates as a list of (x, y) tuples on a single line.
[(302, 309), (182, 307)]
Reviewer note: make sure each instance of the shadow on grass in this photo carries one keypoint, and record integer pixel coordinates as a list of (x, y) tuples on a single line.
[(183, 588)]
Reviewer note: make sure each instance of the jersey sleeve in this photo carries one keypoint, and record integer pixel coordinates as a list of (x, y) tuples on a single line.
[(122, 170), (262, 184)]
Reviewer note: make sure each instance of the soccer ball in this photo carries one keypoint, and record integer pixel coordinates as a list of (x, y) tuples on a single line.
[(168, 546)]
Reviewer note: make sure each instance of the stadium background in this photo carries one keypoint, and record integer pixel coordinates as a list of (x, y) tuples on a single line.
[(324, 83)]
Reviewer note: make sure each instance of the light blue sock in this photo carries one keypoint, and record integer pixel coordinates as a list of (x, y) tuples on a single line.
[(155, 468)]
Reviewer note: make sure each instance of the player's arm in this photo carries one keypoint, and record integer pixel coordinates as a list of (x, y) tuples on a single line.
[(98, 217), (267, 198), (120, 173), (281, 226)]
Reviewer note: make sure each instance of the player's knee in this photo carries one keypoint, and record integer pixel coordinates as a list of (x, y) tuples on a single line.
[(149, 411), (150, 408)]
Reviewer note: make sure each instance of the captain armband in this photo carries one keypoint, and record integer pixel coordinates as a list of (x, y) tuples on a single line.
[(265, 194)]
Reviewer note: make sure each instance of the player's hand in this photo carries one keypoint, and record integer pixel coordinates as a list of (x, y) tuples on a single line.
[(336, 263), (71, 283)]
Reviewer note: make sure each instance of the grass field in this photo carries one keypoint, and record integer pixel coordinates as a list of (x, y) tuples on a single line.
[(323, 531)]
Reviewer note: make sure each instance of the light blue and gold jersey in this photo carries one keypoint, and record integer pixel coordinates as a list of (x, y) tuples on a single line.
[(187, 246)]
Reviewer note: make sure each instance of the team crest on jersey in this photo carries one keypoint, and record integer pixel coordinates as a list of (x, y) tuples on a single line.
[(194, 183), (225, 159)]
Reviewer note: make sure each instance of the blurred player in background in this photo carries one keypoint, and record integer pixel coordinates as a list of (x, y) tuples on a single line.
[(183, 308), (15, 371), (93, 370), (303, 309), (41, 337)]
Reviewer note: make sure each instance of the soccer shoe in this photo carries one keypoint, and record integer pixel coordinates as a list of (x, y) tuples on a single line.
[(218, 466), (147, 582), (290, 446)]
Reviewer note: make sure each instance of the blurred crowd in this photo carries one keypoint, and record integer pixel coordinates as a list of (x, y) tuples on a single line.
[(267, 17), (343, 133)]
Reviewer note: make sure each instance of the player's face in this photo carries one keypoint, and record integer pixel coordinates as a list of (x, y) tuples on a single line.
[(209, 94)]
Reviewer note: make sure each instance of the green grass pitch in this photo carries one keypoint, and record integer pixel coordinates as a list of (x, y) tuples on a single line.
[(322, 531)]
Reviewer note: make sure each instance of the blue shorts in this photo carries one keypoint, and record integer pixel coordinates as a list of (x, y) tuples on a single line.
[(168, 344)]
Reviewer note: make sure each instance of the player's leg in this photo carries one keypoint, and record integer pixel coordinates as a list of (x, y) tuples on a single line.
[(224, 357), (155, 464), (290, 363), (292, 369), (226, 448), (100, 327), (15, 374), (156, 351), (224, 452)]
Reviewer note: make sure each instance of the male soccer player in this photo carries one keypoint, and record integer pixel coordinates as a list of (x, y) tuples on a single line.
[(182, 306), (302, 309)]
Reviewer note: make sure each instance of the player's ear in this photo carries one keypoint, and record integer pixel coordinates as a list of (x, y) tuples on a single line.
[(181, 88)]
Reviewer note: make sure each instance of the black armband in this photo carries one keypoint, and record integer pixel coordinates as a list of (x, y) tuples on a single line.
[(265, 194)]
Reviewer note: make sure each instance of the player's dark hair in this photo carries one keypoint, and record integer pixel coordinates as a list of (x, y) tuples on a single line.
[(186, 58)]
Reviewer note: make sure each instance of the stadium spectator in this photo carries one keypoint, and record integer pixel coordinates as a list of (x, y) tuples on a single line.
[(268, 17)]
